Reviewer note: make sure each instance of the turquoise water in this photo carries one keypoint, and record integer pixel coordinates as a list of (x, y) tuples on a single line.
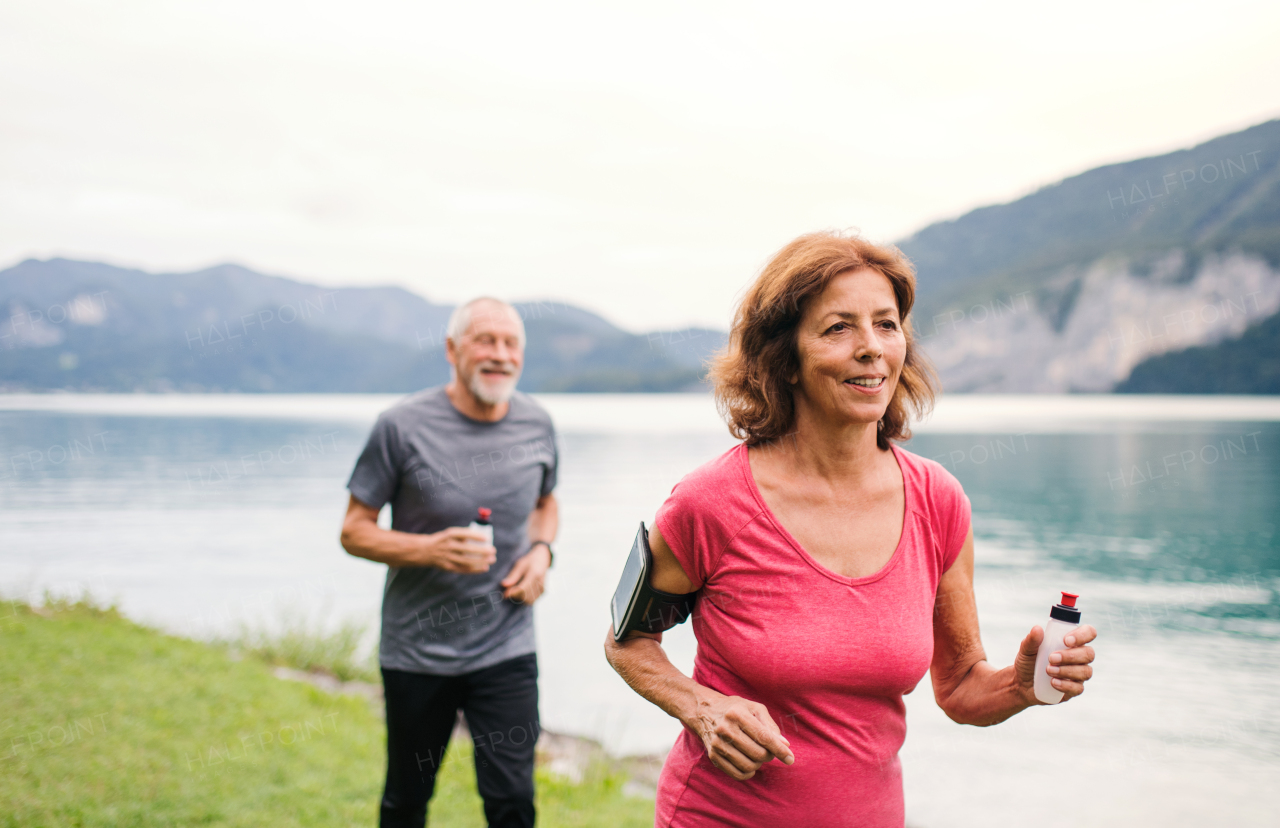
[(1187, 503), (198, 520)]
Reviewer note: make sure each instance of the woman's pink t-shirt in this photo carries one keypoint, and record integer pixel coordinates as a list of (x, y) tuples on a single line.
[(829, 656)]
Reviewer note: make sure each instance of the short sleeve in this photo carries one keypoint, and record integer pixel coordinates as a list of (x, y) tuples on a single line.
[(377, 473), (681, 526), (953, 514), (699, 517), (551, 470)]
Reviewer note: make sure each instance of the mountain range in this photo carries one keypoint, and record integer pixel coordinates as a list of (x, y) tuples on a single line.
[(1078, 285), (88, 326), (1132, 277)]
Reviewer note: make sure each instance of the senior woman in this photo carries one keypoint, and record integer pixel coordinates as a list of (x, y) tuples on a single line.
[(833, 568)]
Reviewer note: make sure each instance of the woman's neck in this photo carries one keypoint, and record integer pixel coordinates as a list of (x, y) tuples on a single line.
[(841, 452)]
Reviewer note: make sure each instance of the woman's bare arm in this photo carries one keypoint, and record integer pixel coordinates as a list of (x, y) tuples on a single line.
[(966, 686), (738, 734)]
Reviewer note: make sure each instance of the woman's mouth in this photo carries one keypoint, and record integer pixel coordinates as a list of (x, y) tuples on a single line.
[(866, 385)]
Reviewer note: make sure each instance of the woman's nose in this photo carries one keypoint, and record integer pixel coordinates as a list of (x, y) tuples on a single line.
[(867, 345)]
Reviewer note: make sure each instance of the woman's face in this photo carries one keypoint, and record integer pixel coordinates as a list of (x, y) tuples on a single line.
[(851, 348)]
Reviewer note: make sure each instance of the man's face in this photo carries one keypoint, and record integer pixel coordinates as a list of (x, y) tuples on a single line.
[(489, 354)]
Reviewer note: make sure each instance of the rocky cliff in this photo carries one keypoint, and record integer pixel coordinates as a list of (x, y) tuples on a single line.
[(1093, 325)]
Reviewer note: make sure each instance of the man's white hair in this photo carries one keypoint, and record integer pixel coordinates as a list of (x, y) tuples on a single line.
[(463, 315)]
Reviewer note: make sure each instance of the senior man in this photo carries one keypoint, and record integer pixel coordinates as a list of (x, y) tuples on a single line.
[(457, 620)]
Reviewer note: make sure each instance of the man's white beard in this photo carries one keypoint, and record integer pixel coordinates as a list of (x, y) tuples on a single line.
[(492, 393)]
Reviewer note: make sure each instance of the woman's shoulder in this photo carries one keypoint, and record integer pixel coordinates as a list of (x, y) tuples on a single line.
[(931, 481), (715, 479), (940, 500), (719, 492), (705, 510)]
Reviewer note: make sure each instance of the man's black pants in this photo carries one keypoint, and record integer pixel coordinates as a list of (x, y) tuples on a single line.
[(501, 707)]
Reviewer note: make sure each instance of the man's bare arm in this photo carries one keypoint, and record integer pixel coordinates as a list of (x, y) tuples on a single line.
[(528, 576), (456, 549), (544, 521)]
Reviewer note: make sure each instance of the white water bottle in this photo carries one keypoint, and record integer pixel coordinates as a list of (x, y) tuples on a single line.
[(482, 523), (1063, 618)]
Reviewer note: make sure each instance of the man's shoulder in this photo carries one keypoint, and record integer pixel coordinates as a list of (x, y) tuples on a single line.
[(416, 405), (526, 409)]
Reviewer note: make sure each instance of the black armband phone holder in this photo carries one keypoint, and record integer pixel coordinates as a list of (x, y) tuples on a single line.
[(639, 607)]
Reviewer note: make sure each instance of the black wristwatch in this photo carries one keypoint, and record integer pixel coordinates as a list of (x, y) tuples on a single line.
[(550, 551)]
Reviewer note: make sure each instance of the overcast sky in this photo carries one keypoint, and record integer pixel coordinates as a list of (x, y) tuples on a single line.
[(641, 160)]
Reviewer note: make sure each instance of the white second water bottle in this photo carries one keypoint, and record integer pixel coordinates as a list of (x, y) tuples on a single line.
[(482, 523), (1063, 618)]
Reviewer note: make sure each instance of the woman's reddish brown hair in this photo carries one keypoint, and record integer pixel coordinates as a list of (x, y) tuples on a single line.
[(750, 376)]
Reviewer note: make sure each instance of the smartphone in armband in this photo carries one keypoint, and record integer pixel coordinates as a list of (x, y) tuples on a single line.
[(637, 606)]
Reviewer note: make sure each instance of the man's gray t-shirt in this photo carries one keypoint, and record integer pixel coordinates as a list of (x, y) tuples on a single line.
[(437, 467)]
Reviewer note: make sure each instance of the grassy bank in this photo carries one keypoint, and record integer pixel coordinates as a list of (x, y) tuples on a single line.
[(107, 723)]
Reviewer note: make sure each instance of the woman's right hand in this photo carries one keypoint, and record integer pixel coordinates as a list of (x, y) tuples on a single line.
[(739, 735)]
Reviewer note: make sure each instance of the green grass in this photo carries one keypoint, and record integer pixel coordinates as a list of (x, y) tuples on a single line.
[(107, 723), (295, 642)]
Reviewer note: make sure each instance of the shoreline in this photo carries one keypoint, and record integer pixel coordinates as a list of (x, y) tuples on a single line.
[(570, 757)]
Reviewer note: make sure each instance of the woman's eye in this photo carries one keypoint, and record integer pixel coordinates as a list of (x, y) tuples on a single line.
[(890, 325), (836, 328)]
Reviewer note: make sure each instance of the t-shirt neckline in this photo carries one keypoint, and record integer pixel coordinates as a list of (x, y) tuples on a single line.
[(472, 420), (745, 465)]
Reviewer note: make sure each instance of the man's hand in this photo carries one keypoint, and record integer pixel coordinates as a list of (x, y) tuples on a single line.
[(457, 549), (526, 581)]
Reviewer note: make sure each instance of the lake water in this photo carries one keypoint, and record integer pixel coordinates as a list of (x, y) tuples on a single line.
[(198, 513)]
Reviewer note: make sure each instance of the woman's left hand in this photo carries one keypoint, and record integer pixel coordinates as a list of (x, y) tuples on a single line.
[(1069, 669)]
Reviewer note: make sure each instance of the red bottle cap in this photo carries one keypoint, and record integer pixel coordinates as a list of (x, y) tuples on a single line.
[(1069, 600), (484, 518)]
